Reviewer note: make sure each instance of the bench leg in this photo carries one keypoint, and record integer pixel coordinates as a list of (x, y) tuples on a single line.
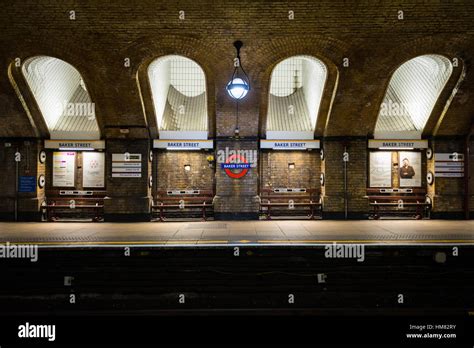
[(162, 218), (376, 212), (96, 215), (51, 216), (204, 213), (419, 214), (311, 216)]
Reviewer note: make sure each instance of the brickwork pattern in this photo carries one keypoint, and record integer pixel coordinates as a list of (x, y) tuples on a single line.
[(102, 35), (275, 171), (171, 173), (128, 195), (28, 202), (448, 192), (356, 175), (236, 195)]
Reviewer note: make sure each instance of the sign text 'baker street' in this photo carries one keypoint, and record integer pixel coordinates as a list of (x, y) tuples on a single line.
[(74, 145), (398, 144), (183, 144), (289, 144)]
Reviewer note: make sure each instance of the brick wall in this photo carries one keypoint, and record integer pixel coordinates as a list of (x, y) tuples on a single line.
[(471, 178), (276, 173), (170, 172), (448, 192), (28, 203), (103, 34), (128, 198), (236, 197), (333, 169)]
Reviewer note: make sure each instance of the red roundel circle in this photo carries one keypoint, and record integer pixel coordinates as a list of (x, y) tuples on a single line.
[(240, 174)]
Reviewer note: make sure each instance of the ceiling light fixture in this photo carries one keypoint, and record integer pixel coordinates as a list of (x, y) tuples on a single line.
[(239, 85)]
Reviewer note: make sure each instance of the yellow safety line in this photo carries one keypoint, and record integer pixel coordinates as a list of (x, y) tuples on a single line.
[(87, 243), (192, 242), (372, 241)]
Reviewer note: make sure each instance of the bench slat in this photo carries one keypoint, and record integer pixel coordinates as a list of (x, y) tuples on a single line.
[(283, 204), (164, 202)]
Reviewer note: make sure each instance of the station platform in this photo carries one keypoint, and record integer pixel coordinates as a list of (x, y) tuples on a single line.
[(213, 233)]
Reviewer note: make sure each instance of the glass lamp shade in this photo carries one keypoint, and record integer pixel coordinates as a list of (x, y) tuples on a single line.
[(237, 88)]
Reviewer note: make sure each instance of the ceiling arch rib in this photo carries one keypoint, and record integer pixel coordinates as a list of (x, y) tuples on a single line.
[(62, 98), (411, 96), (296, 89)]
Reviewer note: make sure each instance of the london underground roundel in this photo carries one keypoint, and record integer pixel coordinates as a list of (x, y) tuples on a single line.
[(243, 166)]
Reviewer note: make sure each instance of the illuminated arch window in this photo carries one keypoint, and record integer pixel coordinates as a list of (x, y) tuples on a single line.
[(296, 90), (62, 98), (411, 96), (178, 87)]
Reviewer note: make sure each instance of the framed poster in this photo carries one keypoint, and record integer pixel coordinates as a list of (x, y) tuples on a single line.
[(380, 169), (409, 169), (64, 165), (93, 164)]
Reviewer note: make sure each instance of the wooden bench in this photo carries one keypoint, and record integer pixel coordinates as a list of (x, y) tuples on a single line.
[(74, 204), (290, 202), (183, 204), (399, 202)]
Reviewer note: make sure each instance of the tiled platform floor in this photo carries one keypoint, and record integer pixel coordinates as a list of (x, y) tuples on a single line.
[(240, 232)]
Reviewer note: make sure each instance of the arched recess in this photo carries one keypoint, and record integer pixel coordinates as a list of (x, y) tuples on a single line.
[(296, 90), (411, 97), (61, 97), (329, 89), (178, 90)]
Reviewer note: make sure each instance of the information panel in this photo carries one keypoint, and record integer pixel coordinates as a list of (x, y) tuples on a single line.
[(64, 165), (93, 164), (449, 165), (380, 169), (27, 184), (126, 165)]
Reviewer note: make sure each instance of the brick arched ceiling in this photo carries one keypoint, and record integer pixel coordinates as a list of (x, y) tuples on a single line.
[(373, 38)]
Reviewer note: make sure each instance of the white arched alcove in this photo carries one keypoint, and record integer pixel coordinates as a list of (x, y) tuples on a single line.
[(178, 87), (62, 98), (411, 96), (296, 89)]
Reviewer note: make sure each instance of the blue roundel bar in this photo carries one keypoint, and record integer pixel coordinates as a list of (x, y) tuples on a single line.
[(235, 165)]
